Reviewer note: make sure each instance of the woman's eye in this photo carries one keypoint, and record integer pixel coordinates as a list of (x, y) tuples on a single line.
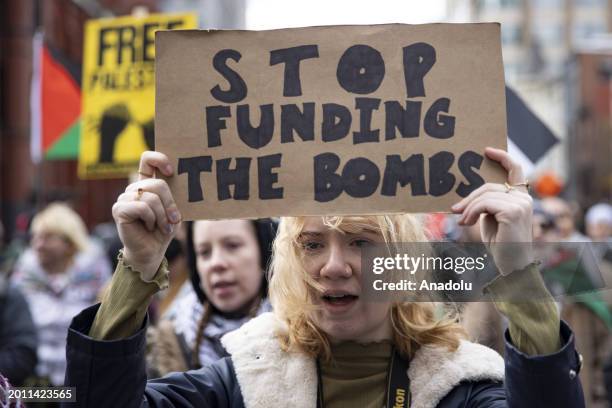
[(311, 245), (232, 245), (360, 243), (203, 253)]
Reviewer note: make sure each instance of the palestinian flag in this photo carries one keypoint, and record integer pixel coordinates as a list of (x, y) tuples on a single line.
[(55, 105)]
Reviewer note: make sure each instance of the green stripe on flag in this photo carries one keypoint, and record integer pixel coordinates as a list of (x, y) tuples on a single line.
[(67, 146)]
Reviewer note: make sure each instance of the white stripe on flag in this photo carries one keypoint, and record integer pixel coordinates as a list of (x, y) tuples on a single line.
[(36, 99), (519, 156)]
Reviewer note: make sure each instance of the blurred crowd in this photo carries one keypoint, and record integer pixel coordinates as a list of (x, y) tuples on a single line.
[(53, 268), (574, 248)]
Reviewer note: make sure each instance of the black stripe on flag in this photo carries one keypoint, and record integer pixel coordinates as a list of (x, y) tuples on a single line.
[(526, 130)]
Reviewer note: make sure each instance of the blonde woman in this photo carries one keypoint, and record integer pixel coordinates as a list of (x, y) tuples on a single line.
[(325, 345), (60, 274)]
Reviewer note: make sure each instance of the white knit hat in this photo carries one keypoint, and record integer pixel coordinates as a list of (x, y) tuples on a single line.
[(599, 213)]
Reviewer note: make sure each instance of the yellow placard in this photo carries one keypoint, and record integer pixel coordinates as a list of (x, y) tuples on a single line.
[(118, 91)]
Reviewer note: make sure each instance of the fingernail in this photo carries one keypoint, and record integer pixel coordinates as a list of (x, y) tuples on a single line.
[(459, 205), (174, 216), (168, 169), (169, 228)]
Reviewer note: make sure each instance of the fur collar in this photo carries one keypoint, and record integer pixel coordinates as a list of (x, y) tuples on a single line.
[(270, 377), (435, 371)]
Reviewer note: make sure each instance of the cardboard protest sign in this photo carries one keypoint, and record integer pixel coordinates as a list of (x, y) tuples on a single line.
[(329, 120), (118, 90)]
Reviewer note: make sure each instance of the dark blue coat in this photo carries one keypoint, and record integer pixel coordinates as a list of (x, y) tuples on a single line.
[(112, 374)]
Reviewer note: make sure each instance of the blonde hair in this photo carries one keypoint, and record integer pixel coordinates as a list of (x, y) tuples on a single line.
[(414, 324), (60, 219)]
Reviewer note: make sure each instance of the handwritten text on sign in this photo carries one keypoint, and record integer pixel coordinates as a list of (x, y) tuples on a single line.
[(329, 120)]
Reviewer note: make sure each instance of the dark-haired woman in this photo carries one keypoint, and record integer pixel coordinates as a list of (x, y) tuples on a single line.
[(227, 260)]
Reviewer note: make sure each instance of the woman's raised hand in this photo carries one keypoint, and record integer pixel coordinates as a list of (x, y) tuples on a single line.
[(507, 210), (146, 215)]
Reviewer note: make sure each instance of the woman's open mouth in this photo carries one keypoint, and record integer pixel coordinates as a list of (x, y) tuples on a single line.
[(338, 302)]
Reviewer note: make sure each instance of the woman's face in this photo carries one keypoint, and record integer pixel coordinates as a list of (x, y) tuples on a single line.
[(228, 262), (333, 259), (53, 249)]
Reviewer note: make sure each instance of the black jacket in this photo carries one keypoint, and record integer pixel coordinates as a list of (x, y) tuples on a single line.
[(18, 338), (112, 374)]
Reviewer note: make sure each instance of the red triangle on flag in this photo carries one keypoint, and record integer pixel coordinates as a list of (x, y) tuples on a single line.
[(60, 97)]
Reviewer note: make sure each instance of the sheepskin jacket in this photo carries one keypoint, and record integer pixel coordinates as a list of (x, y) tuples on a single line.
[(270, 377), (260, 375)]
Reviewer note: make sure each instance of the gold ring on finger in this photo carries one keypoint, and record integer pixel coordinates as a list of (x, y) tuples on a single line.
[(523, 184), (508, 187), (139, 193)]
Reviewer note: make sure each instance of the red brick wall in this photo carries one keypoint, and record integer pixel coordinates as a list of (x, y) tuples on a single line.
[(20, 179)]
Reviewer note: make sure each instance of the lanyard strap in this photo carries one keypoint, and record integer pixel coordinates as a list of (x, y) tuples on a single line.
[(398, 389), (398, 383)]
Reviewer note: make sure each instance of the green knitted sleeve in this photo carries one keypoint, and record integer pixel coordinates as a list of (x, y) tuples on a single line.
[(125, 301)]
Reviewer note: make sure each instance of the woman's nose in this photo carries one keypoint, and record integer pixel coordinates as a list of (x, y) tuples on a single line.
[(337, 265), (218, 260)]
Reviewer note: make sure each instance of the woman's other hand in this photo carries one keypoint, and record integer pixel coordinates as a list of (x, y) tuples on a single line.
[(146, 215)]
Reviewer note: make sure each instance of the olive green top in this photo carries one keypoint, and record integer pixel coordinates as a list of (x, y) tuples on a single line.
[(355, 366)]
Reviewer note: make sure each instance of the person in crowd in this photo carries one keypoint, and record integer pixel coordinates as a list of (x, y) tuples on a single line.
[(4, 262), (18, 338), (60, 274), (543, 224), (5, 402), (569, 244), (325, 344), (106, 234), (570, 274), (563, 215), (607, 378), (227, 260), (9, 253), (178, 279), (598, 223)]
